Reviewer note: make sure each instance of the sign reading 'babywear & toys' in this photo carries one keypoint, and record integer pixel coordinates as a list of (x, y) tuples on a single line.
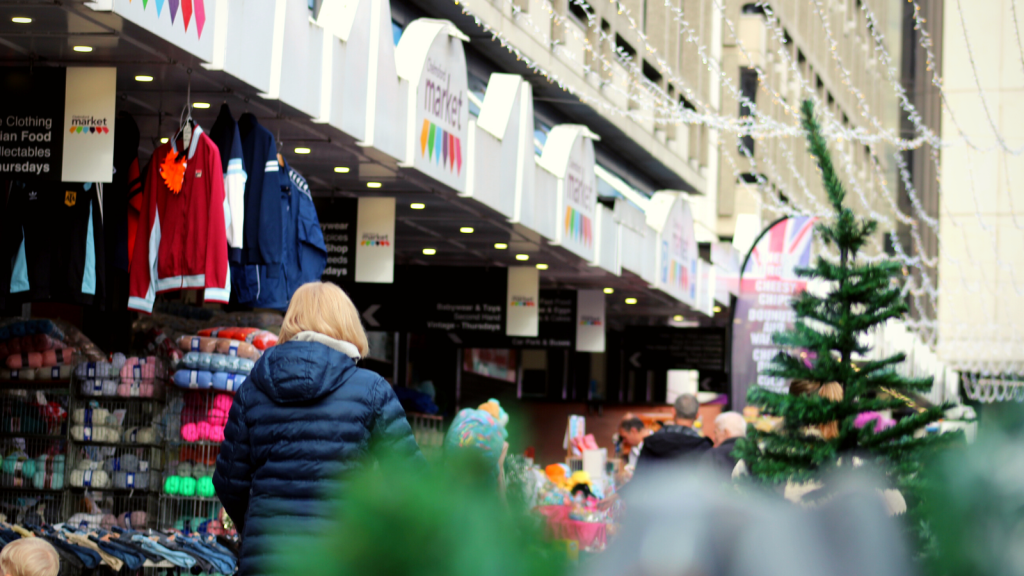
[(58, 124)]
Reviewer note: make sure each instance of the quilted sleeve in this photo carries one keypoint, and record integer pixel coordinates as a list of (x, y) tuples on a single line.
[(233, 477), (391, 432)]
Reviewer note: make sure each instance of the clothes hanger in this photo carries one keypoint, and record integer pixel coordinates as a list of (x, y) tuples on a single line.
[(185, 120)]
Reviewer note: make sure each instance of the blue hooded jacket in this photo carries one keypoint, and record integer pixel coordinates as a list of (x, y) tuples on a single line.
[(306, 418)]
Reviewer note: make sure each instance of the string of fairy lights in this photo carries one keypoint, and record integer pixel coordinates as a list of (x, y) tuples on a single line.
[(647, 102)]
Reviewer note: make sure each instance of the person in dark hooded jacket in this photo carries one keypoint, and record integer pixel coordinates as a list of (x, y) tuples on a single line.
[(306, 417), (676, 442)]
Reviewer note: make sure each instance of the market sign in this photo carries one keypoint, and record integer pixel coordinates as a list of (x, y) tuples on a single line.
[(58, 123), (187, 24), (523, 299), (768, 284), (375, 241), (569, 155), (677, 253), (430, 57)]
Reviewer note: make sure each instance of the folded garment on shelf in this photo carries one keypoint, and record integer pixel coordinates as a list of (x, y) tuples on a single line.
[(261, 339), (20, 374), (108, 434), (89, 479), (99, 387), (179, 559), (193, 379), (217, 363)]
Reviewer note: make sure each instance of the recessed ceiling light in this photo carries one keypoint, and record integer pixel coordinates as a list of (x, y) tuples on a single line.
[(542, 266), (417, 206), (522, 257), (21, 20), (466, 229), (429, 251), (500, 246), (609, 290), (717, 309), (373, 184), (341, 169), (164, 140), (82, 48), (302, 150), (678, 317), (201, 105), (630, 300), (143, 78)]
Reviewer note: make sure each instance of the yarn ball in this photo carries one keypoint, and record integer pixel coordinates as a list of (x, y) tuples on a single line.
[(205, 487), (187, 486), (172, 485)]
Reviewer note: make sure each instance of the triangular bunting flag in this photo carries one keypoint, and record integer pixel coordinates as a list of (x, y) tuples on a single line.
[(174, 8), (186, 9), (200, 9), (423, 137), (430, 143)]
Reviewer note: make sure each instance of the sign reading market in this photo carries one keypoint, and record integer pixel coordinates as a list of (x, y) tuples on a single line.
[(431, 59), (569, 155), (677, 246)]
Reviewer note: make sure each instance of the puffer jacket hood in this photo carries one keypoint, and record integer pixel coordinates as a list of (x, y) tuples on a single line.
[(304, 369), (306, 419)]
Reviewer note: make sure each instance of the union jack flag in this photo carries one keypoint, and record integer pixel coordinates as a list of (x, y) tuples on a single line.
[(781, 250)]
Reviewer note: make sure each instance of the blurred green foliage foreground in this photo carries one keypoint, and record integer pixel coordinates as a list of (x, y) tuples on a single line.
[(403, 519)]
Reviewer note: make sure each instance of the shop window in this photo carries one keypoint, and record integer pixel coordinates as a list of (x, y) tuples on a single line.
[(581, 10), (477, 88), (396, 30), (752, 8), (651, 73), (624, 49)]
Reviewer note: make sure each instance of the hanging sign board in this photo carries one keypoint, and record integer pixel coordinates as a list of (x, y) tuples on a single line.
[(590, 321), (375, 237), (767, 286), (58, 123), (431, 59), (187, 24), (523, 295), (569, 155), (677, 254), (338, 223)]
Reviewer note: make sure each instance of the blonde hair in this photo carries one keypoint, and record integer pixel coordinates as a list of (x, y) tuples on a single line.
[(29, 557), (324, 308), (832, 391)]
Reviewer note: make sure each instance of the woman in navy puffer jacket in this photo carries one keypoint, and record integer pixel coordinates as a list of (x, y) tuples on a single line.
[(305, 417)]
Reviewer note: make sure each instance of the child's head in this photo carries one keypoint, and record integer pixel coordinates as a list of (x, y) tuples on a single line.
[(29, 557)]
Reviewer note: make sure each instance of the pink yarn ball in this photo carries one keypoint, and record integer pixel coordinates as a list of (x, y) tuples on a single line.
[(223, 402), (216, 433), (190, 432), (203, 429), (217, 417)]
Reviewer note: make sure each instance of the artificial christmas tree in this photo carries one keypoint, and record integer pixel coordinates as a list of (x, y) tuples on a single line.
[(824, 426)]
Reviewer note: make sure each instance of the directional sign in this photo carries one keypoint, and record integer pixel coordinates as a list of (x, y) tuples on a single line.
[(664, 348)]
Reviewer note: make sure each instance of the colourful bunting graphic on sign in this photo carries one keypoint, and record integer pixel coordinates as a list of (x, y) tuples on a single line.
[(424, 136), (160, 9), (174, 8), (447, 146), (186, 9), (200, 10), (577, 226)]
